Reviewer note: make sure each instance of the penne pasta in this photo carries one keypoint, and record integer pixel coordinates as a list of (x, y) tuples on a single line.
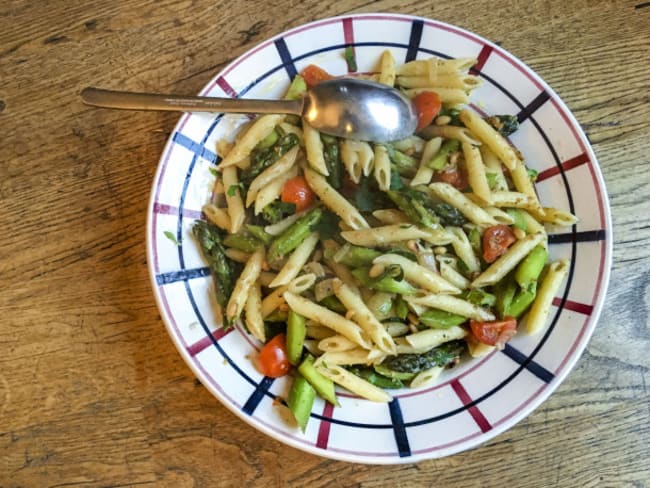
[(391, 216), (418, 275), (364, 317), (277, 169), (476, 173), (490, 137), (355, 384), (506, 262), (382, 167), (493, 167), (257, 131), (314, 148), (541, 307), (461, 134), (336, 343), (326, 317), (469, 209), (335, 201), (453, 305), (253, 311), (296, 261), (426, 377), (448, 96), (218, 216), (273, 190), (233, 199), (244, 283), (558, 217), (387, 68), (430, 338), (424, 173)]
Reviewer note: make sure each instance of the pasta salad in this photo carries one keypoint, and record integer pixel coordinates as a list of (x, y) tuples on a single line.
[(375, 266)]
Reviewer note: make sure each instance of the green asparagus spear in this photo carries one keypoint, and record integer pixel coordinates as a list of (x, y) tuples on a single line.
[(386, 283), (517, 217), (242, 242), (443, 355), (277, 210), (505, 292), (440, 319), (296, 330), (268, 141), (374, 378), (531, 266), (403, 164), (479, 297), (409, 203), (259, 233), (354, 256), (439, 161), (294, 235), (209, 237), (297, 88), (262, 158), (301, 400), (323, 386), (334, 304), (522, 300)]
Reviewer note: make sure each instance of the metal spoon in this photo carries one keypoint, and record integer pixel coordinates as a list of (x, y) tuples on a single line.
[(344, 107)]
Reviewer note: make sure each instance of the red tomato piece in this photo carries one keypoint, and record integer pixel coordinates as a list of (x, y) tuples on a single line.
[(495, 333), (427, 105), (496, 241), (297, 191), (313, 75), (453, 175), (273, 360)]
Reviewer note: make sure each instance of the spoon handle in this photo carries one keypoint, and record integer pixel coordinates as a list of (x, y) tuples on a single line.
[(150, 101)]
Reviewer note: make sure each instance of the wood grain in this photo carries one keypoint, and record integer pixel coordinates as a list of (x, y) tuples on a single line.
[(92, 391)]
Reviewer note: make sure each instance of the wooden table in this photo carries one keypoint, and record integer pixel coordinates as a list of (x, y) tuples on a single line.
[(92, 390)]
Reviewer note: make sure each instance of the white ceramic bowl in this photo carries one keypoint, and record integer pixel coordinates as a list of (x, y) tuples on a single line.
[(473, 402)]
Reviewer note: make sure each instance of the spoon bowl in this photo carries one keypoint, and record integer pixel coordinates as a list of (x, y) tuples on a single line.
[(343, 107)]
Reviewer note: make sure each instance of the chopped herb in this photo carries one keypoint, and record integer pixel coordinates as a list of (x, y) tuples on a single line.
[(505, 124), (214, 172), (327, 226), (232, 189), (368, 198), (171, 236), (532, 174)]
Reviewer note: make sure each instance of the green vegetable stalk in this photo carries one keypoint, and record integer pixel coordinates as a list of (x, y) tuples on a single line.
[(301, 400), (323, 386), (242, 242), (439, 161), (296, 331), (443, 355), (294, 235), (386, 283), (440, 319), (209, 237)]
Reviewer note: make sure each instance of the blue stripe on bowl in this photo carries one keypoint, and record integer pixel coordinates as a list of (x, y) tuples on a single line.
[(537, 369)]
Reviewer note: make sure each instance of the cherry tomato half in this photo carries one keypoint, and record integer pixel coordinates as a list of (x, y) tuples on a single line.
[(273, 360), (495, 333), (427, 105), (313, 75), (453, 175), (496, 241), (297, 191)]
